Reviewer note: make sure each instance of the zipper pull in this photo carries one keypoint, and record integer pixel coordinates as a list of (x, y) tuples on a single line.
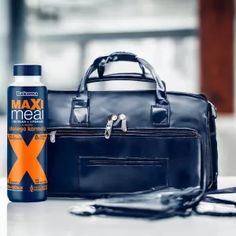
[(109, 125), (52, 136), (123, 119)]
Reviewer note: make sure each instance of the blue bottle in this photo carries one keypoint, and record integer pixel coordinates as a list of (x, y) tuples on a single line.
[(27, 136)]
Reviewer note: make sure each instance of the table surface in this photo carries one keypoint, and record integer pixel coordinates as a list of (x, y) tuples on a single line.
[(52, 218)]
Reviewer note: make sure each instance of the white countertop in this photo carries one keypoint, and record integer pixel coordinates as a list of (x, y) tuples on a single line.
[(52, 218)]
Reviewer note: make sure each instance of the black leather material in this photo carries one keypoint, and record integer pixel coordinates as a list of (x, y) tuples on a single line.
[(83, 162), (135, 162)]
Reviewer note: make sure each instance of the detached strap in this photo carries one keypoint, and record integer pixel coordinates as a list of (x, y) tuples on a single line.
[(223, 190), (219, 201), (98, 209), (185, 208), (164, 206), (210, 199)]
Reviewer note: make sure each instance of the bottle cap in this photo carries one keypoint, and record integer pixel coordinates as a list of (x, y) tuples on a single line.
[(27, 70)]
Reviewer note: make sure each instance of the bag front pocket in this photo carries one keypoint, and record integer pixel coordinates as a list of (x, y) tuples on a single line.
[(121, 174), (83, 163)]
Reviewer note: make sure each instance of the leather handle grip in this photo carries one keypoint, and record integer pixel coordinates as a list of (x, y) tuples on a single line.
[(123, 56), (101, 62)]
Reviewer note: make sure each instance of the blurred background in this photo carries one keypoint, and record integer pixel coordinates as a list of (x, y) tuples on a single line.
[(189, 42)]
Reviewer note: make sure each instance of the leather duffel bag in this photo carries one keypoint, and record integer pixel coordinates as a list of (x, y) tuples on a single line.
[(106, 142)]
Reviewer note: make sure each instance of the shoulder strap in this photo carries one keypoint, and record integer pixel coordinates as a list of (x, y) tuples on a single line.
[(223, 190), (117, 211), (211, 199), (186, 207), (151, 204)]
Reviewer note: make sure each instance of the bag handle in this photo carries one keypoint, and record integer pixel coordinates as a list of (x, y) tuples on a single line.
[(100, 63), (80, 104)]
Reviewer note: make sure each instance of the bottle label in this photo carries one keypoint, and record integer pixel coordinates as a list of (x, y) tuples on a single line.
[(27, 138)]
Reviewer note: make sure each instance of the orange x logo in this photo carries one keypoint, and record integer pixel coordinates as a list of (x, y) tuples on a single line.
[(27, 158)]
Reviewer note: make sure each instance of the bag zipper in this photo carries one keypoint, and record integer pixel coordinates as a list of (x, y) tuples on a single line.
[(160, 132), (111, 119), (114, 120)]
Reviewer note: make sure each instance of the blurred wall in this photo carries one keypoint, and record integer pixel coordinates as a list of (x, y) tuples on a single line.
[(4, 56), (4, 78)]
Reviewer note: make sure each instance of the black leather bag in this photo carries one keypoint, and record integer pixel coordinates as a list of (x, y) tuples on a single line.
[(125, 141)]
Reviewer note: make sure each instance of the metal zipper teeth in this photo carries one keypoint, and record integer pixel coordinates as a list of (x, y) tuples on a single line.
[(119, 132)]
